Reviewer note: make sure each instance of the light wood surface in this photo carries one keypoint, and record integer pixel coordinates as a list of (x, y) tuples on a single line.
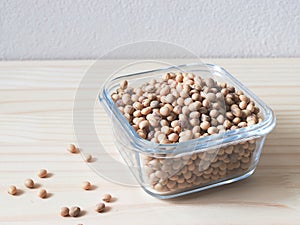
[(36, 102)]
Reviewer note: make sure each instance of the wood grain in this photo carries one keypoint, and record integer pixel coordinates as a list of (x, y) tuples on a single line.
[(36, 102)]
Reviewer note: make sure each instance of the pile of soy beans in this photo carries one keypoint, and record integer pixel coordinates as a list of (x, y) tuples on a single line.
[(182, 106)]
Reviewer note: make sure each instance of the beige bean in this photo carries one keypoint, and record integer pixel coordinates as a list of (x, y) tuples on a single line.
[(195, 122), (166, 130), (212, 130), (177, 129), (42, 173), (153, 120), (214, 113), (42, 193), (146, 111), (134, 98), (195, 96), (195, 106), (72, 148), (173, 137), (12, 190), (194, 115), (236, 120), (166, 76), (243, 105), (211, 97), (137, 105), (185, 110), (185, 136), (187, 175), (158, 187), (86, 185), (206, 103), (179, 77), (170, 98), (205, 125), (188, 101), (123, 84), (174, 123), (107, 197), (242, 124), (177, 109), (87, 157), (196, 129), (126, 98), (236, 111), (74, 211), (64, 211), (100, 207), (164, 111), (114, 97), (244, 98), (137, 113), (250, 107), (171, 184), (141, 133), (143, 124), (128, 109), (29, 183), (229, 101), (245, 160)]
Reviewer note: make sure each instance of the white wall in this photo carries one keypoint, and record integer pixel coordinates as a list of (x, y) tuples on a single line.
[(77, 29)]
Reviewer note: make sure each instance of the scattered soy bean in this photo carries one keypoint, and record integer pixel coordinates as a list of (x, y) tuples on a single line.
[(86, 185), (64, 211), (12, 190), (72, 148), (100, 207), (42, 173), (74, 211), (42, 193), (88, 157), (107, 197), (29, 183)]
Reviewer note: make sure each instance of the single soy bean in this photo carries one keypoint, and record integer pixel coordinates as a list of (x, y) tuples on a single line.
[(42, 173), (12, 190), (29, 183), (74, 211), (100, 207), (64, 211), (86, 185), (88, 157), (107, 198), (42, 193), (72, 148)]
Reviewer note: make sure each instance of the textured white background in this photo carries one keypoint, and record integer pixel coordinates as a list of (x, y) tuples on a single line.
[(76, 29)]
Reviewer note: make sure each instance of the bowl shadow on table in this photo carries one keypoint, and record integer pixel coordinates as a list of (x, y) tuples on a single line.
[(267, 187), (257, 190)]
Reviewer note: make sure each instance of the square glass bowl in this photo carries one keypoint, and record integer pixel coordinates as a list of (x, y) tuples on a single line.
[(171, 170)]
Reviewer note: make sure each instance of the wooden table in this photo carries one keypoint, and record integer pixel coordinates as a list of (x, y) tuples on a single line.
[(36, 102)]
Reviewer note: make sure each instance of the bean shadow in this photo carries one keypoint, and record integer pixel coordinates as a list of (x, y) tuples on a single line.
[(49, 175), (83, 213), (107, 209), (20, 192), (113, 199)]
